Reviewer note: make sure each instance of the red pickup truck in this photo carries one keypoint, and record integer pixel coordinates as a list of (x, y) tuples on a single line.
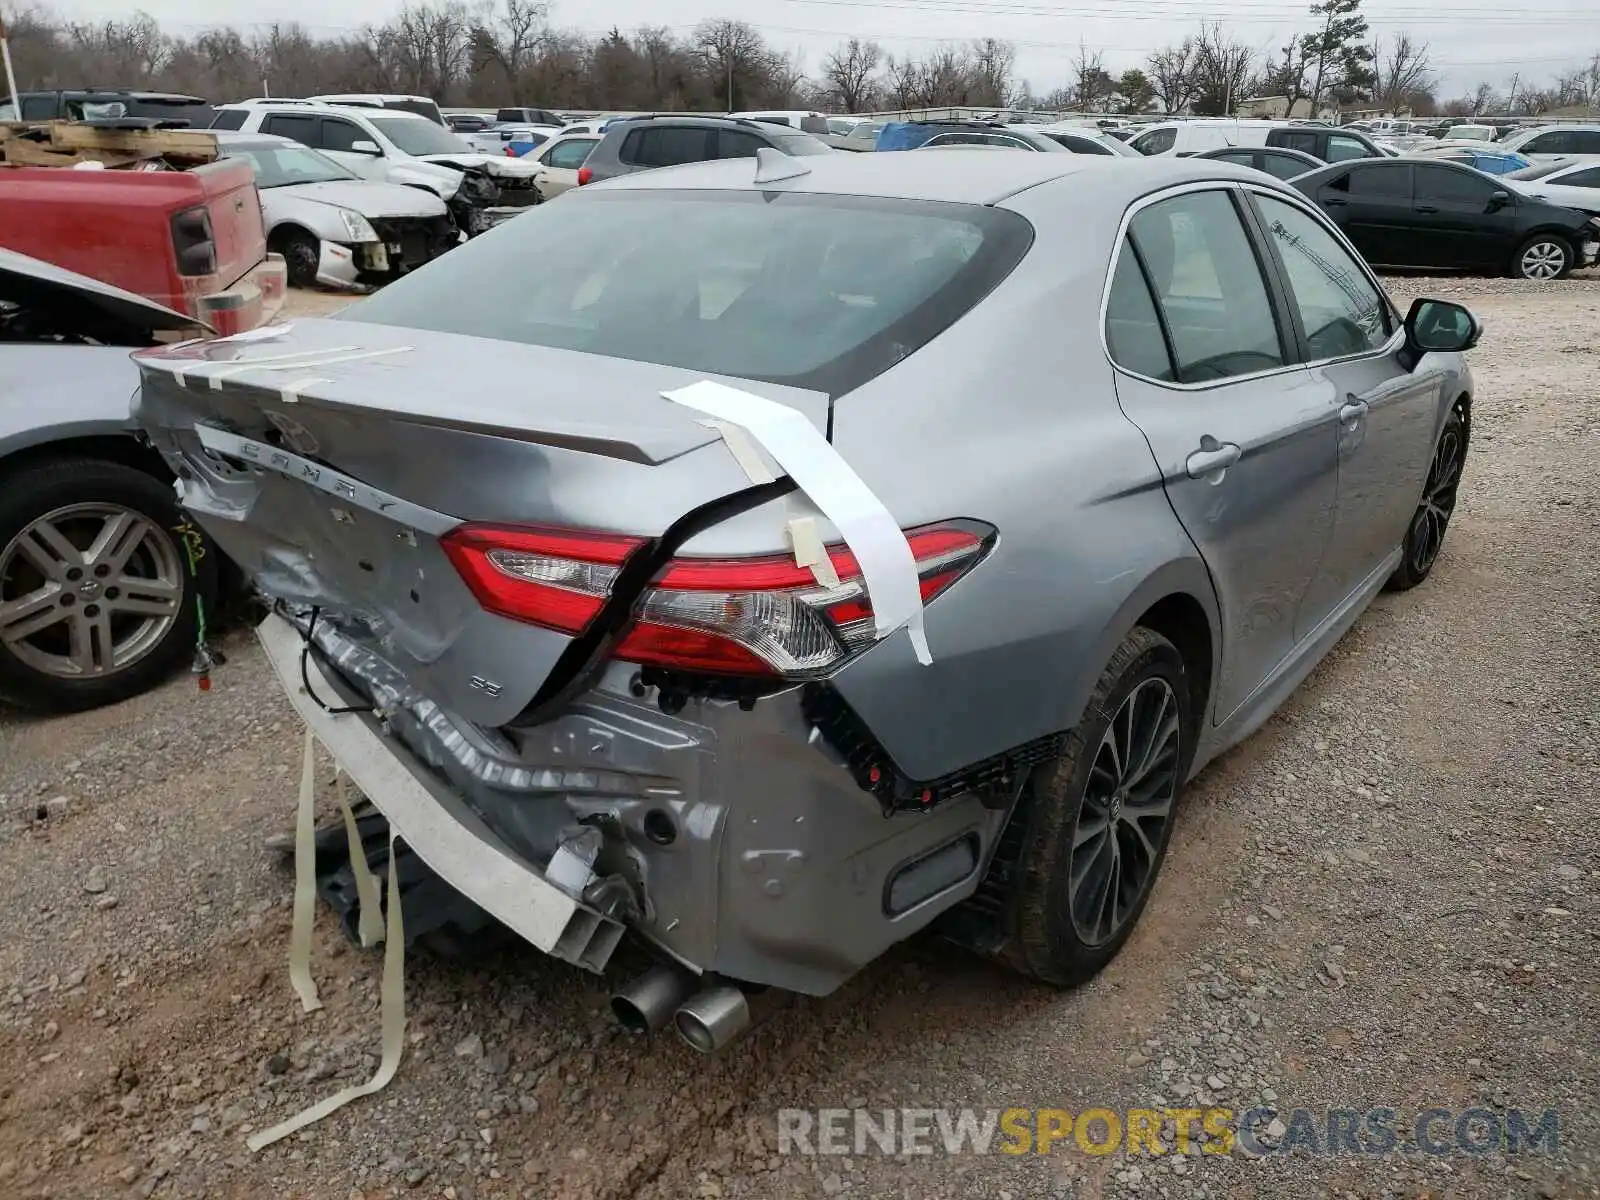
[(192, 240)]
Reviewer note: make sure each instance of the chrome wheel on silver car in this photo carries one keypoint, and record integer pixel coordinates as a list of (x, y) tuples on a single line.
[(88, 589), (1127, 803), (1543, 258), (97, 598)]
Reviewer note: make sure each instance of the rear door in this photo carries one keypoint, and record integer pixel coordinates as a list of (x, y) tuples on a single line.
[(1245, 438), (1372, 204)]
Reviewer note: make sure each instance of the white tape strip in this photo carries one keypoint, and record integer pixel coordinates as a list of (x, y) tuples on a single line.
[(743, 450), (261, 333), (371, 915), (887, 566), (302, 362), (305, 883), (289, 393), (810, 552), (392, 999)]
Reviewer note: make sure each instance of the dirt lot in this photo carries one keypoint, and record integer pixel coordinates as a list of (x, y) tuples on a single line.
[(1388, 897)]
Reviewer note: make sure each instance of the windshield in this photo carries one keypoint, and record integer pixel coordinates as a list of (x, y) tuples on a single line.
[(277, 166), (816, 291), (420, 137)]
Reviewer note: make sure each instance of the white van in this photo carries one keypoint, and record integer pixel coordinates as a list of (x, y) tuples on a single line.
[(1205, 133), (794, 118)]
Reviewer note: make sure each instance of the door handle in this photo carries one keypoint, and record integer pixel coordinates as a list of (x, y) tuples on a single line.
[(1427, 208), (1353, 410), (1211, 459)]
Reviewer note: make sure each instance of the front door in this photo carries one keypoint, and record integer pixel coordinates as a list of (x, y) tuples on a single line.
[(1243, 437), (336, 137), (1457, 221), (1386, 414)]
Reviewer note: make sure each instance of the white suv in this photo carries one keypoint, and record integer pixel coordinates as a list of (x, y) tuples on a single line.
[(396, 147)]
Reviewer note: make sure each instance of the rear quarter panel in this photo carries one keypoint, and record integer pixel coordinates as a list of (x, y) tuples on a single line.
[(1010, 417), (51, 393)]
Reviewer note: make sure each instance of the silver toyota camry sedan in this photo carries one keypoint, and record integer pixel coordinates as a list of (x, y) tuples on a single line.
[(767, 558)]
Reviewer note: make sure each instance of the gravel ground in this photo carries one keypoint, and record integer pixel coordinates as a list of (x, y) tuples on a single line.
[(1387, 897)]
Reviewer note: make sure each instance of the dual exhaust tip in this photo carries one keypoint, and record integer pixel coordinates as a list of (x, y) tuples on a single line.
[(708, 1018)]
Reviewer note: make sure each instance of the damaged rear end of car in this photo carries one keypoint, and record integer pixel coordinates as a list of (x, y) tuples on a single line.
[(565, 633)]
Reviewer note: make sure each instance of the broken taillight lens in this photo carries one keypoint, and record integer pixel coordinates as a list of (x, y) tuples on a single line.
[(760, 616)]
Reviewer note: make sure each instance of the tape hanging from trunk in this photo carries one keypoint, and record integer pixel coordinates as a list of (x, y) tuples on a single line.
[(303, 361), (305, 882), (388, 926), (888, 567), (289, 393), (370, 930), (261, 333)]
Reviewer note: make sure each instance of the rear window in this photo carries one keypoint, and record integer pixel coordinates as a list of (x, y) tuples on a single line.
[(229, 118), (820, 292)]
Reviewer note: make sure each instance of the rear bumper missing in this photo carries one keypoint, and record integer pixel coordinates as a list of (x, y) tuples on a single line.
[(434, 821)]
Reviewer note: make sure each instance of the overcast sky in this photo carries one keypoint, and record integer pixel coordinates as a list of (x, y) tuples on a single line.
[(1469, 42)]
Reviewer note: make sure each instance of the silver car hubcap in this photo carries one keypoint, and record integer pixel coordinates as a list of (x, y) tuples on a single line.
[(88, 590), (1543, 260), (1127, 803)]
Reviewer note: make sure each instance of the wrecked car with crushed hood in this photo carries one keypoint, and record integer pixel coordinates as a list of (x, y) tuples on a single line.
[(776, 588)]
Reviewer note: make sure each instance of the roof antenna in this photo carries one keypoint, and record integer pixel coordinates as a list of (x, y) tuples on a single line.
[(774, 165)]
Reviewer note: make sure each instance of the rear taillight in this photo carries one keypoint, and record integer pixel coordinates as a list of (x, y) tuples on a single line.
[(728, 616), (192, 242), (585, 174)]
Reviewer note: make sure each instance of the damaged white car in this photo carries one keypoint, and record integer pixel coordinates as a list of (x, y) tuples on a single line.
[(397, 147), (333, 227)]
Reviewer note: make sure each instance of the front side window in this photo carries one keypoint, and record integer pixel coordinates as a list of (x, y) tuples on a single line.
[(228, 118), (340, 135), (1584, 141), (568, 155), (816, 291), (1341, 312), (1209, 287), (1557, 141), (1459, 188), (1342, 149), (1588, 178), (1157, 141), (1382, 185), (1304, 142)]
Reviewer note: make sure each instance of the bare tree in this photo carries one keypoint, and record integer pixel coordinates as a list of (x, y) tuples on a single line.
[(1286, 75), (990, 65), (734, 55), (1400, 70), (1092, 84), (849, 74), (1171, 74), (1221, 69)]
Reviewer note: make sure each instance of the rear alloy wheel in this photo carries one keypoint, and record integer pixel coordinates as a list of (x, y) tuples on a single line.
[(1425, 535), (1543, 256), (1097, 822), (96, 600)]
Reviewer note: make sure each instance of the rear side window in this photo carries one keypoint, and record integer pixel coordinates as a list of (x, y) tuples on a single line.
[(735, 143), (229, 118), (798, 144), (1078, 145), (1283, 167), (814, 125), (1589, 178), (667, 146), (1377, 183), (569, 155), (1557, 141), (1243, 157), (1208, 286), (821, 292), (1304, 142), (302, 129), (1133, 328)]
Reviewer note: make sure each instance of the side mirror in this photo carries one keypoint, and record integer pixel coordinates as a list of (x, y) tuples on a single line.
[(1440, 326), (1499, 200), (366, 147)]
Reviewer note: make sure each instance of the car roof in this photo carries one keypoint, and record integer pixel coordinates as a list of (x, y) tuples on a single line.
[(239, 137), (956, 175), (324, 108)]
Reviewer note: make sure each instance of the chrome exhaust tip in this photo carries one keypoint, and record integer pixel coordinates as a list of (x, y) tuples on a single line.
[(712, 1018), (647, 1004)]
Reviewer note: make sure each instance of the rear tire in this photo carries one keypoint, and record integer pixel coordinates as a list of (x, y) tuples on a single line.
[(79, 496), (1058, 927), (1543, 257)]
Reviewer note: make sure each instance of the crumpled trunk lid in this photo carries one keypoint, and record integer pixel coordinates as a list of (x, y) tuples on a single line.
[(329, 460)]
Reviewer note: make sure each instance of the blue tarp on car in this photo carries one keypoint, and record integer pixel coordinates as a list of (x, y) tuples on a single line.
[(903, 135)]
